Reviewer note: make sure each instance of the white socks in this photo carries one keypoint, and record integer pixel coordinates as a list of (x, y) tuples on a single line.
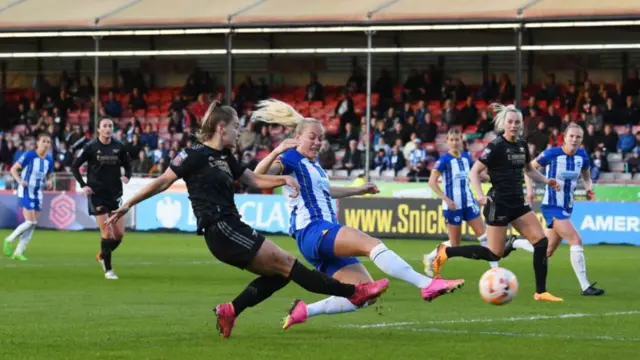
[(24, 241), (393, 265), (523, 244), (22, 228), (579, 265), (330, 305)]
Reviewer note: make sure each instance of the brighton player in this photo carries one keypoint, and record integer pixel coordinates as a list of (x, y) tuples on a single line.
[(566, 164), (329, 246), (458, 203), (507, 160), (36, 166)]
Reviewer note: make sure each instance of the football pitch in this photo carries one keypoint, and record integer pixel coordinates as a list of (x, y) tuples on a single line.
[(58, 306)]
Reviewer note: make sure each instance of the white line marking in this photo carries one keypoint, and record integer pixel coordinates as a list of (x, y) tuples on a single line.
[(17, 264), (490, 320), (518, 334)]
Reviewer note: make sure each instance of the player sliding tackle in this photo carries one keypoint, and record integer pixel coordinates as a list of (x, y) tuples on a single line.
[(210, 171), (329, 246)]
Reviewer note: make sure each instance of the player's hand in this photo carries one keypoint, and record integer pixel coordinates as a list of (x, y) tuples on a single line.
[(483, 200), (116, 215), (87, 190), (125, 180), (286, 145), (554, 184), (451, 205), (591, 195), (369, 188), (24, 184), (531, 196), (293, 184)]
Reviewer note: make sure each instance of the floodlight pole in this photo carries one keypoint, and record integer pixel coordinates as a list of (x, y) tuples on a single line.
[(230, 47), (367, 162), (229, 84), (518, 95)]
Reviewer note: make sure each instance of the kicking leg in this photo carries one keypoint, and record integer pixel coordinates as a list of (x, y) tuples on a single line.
[(350, 274), (353, 242)]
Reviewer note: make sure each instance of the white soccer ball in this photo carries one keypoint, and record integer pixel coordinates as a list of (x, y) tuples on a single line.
[(498, 286)]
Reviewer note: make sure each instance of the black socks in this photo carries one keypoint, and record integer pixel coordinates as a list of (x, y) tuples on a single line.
[(540, 265), (108, 246), (257, 291), (319, 283), (475, 252)]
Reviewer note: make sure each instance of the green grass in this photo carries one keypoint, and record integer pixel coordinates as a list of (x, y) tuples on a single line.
[(58, 306)]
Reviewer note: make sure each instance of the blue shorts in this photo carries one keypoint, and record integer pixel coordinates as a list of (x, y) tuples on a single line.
[(551, 213), (456, 217), (30, 204), (316, 243)]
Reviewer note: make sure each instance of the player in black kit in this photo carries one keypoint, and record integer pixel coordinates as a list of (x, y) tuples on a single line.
[(105, 157), (507, 159), (210, 171)]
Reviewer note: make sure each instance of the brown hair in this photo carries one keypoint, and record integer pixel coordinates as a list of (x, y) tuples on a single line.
[(453, 131), (215, 115), (44, 134), (103, 119)]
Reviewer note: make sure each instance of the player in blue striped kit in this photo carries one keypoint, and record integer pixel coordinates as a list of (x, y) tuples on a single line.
[(329, 246), (458, 203), (566, 164), (31, 171)]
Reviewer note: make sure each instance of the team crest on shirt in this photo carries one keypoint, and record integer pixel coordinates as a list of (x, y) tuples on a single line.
[(179, 158), (115, 151)]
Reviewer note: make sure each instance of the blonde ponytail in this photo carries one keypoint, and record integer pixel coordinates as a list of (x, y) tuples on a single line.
[(274, 111), (501, 115)]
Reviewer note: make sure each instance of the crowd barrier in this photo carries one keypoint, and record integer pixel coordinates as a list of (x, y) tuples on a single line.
[(597, 222)]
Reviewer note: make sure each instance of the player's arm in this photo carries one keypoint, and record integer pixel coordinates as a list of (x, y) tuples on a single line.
[(78, 162), (339, 192), (160, 184), (588, 184), (433, 184), (261, 181), (530, 185), (476, 181), (15, 173), (484, 176), (271, 164)]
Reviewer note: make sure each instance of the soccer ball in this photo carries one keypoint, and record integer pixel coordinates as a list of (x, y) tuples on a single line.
[(498, 286)]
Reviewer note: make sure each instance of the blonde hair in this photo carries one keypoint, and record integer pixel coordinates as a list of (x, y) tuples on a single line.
[(274, 111), (501, 115), (573, 125), (215, 115)]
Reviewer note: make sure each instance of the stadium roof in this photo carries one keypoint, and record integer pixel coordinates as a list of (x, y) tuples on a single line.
[(75, 14)]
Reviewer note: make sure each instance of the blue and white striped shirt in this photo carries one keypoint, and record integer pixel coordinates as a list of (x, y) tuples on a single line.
[(34, 171), (314, 202), (455, 178), (566, 169)]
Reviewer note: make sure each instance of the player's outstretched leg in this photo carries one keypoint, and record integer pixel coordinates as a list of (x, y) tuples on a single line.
[(277, 268), (346, 270), (352, 242)]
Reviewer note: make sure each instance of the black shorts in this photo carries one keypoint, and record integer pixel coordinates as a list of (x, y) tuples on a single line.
[(502, 213), (101, 206), (233, 242)]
